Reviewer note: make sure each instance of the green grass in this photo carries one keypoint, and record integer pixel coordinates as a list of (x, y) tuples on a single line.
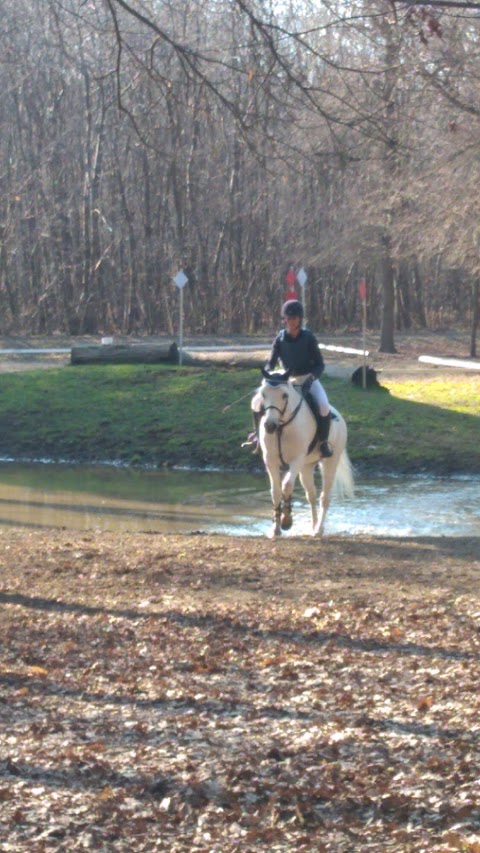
[(164, 415), (429, 425)]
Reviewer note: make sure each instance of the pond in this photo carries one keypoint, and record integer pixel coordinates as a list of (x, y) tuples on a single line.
[(180, 501)]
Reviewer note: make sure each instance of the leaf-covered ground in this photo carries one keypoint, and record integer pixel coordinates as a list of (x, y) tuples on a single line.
[(206, 693)]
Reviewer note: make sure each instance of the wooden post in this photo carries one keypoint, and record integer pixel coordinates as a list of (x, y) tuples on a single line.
[(364, 345), (180, 348)]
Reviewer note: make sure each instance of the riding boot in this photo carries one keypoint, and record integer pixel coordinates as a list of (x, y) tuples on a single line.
[(323, 429)]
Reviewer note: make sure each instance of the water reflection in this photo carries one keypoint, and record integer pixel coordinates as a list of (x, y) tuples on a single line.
[(103, 498)]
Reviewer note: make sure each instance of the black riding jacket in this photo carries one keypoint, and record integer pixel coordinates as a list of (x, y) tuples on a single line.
[(300, 355)]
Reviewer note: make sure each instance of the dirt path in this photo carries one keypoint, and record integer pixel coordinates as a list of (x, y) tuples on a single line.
[(201, 694), (202, 568)]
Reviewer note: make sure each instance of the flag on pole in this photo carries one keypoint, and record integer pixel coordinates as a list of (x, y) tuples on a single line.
[(290, 279)]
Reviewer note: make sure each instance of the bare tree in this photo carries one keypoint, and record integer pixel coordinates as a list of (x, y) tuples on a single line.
[(230, 139)]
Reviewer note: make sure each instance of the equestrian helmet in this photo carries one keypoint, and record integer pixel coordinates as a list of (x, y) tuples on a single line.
[(292, 308)]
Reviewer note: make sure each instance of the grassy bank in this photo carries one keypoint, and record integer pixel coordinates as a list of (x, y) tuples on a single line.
[(163, 415)]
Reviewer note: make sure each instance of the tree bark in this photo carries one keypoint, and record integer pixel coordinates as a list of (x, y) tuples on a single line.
[(387, 336), (475, 317)]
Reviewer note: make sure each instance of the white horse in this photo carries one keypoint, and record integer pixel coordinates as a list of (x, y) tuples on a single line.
[(287, 435)]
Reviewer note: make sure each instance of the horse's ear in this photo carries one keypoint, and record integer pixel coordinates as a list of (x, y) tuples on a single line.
[(286, 375), (265, 373)]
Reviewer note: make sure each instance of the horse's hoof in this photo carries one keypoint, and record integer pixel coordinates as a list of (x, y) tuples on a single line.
[(274, 532), (286, 523)]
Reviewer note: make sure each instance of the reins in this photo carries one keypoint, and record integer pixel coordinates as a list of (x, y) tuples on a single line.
[(292, 416), (282, 426)]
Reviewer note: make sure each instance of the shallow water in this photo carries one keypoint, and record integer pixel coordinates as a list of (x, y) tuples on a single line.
[(122, 499)]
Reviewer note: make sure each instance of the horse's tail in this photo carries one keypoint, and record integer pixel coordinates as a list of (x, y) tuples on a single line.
[(344, 477)]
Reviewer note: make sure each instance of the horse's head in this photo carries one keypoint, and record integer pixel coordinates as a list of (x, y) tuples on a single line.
[(274, 392)]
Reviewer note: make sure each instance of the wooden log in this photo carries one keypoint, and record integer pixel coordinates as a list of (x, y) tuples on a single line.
[(223, 358), (125, 354)]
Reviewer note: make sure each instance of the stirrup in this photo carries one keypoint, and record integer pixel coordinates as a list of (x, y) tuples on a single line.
[(252, 441), (326, 449)]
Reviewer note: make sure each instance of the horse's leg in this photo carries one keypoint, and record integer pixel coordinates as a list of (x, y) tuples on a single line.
[(276, 493), (286, 518), (307, 480), (288, 486), (328, 476)]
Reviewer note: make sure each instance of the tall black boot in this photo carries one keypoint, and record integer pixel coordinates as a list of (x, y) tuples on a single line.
[(323, 429)]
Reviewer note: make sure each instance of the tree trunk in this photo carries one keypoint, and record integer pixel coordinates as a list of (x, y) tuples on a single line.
[(391, 166), (475, 317), (420, 313), (404, 316), (387, 339)]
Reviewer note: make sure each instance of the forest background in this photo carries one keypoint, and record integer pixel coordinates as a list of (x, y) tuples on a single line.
[(233, 140)]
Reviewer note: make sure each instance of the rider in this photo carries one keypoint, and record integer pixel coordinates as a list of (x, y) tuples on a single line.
[(297, 349)]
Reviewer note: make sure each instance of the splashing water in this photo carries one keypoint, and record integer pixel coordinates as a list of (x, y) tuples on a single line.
[(123, 499)]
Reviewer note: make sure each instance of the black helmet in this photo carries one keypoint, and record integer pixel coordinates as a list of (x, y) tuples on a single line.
[(292, 308)]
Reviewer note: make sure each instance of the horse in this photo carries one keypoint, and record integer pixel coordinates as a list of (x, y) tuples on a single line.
[(287, 437)]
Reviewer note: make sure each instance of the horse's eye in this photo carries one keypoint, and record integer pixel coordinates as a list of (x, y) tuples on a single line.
[(263, 394), (285, 396)]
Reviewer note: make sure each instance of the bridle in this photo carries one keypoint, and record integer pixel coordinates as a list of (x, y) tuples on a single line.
[(281, 426), (280, 411)]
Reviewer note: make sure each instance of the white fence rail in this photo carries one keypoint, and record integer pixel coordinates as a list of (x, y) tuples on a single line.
[(449, 362)]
